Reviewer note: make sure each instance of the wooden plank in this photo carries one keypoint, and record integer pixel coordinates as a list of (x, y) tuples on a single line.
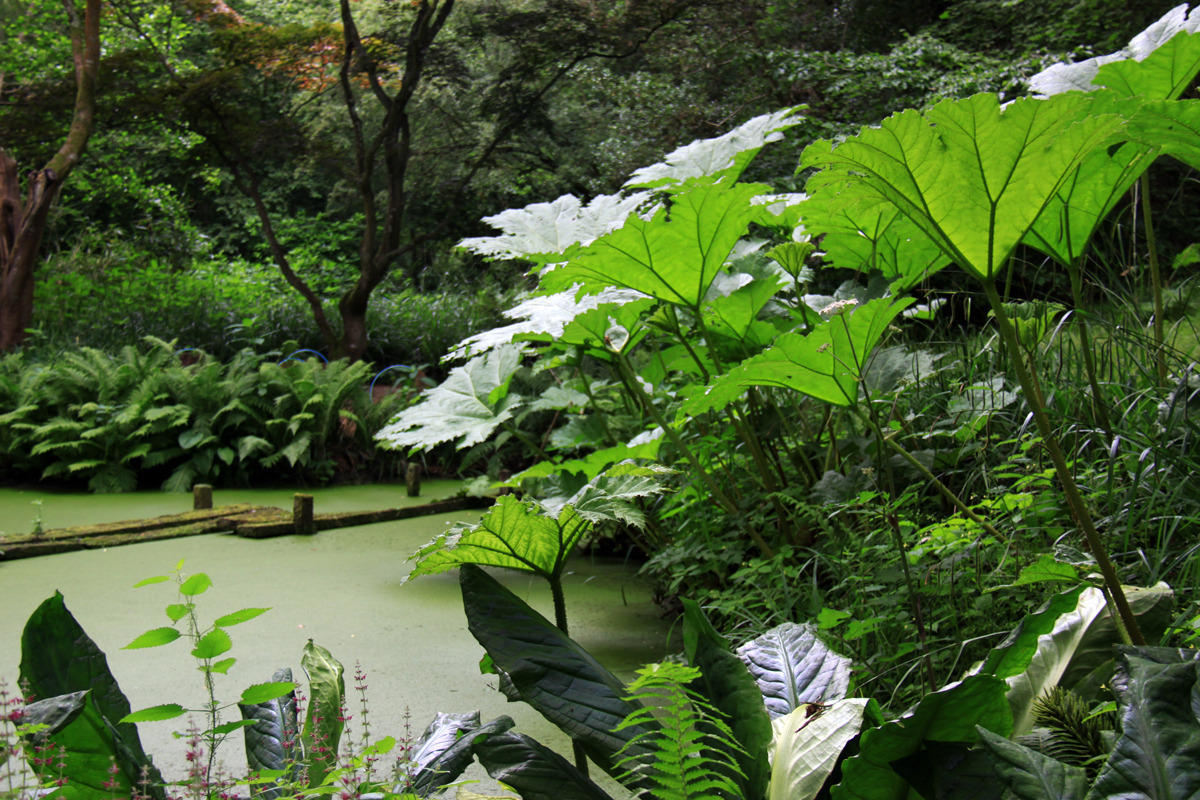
[(347, 519), (253, 522)]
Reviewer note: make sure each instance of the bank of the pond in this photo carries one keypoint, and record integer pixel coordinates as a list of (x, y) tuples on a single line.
[(341, 588)]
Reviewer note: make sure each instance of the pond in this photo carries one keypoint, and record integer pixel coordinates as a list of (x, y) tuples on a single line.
[(343, 589)]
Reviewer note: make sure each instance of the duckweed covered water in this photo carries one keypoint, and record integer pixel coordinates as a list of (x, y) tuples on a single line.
[(343, 589)]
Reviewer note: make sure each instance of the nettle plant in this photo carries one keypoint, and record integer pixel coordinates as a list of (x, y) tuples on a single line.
[(689, 292)]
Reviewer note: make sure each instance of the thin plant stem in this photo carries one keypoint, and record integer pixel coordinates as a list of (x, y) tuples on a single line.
[(1099, 412), (1160, 361), (945, 490), (1075, 501)]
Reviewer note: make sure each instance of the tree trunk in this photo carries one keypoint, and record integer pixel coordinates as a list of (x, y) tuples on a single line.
[(21, 227), (22, 224)]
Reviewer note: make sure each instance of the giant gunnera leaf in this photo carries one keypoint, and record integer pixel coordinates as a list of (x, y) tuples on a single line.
[(826, 363), (674, 255), (516, 534), (722, 157), (471, 403), (542, 317), (1159, 43), (971, 174), (541, 232)]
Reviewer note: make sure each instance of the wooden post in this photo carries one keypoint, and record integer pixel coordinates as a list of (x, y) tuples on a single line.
[(412, 479), (302, 514), (201, 496)]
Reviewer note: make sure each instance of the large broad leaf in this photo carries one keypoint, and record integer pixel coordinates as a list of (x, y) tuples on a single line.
[(870, 233), (947, 715), (533, 770), (547, 669), (59, 658), (643, 446), (543, 231), (1077, 652), (1029, 775), (323, 723), (735, 315), (724, 156), (1066, 226), (271, 741), (85, 747), (674, 255), (471, 403), (445, 749), (727, 684), (932, 168), (793, 668), (514, 533), (807, 746), (1012, 656), (825, 363), (1157, 756), (542, 317), (610, 496), (1157, 43), (1173, 125)]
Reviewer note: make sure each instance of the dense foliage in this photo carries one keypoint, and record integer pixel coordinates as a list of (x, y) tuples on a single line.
[(951, 382)]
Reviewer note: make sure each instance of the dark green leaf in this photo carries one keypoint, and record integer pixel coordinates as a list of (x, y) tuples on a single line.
[(547, 669), (271, 741), (533, 770), (1032, 776), (87, 746), (728, 685), (445, 749), (1157, 756), (947, 715), (58, 658)]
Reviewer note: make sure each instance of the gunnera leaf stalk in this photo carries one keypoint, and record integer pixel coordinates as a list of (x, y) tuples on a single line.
[(1128, 623)]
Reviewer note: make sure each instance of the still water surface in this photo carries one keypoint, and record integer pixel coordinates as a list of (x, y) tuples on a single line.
[(344, 589)]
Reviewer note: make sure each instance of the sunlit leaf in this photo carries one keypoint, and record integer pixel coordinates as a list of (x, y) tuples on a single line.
[(541, 317), (154, 638), (929, 167), (674, 255), (195, 584), (542, 231), (468, 406), (1081, 75), (239, 616), (212, 644), (514, 534), (156, 713), (826, 363), (807, 744), (724, 156), (262, 692)]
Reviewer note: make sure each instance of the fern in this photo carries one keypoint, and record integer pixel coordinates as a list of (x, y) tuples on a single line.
[(1076, 736), (688, 739)]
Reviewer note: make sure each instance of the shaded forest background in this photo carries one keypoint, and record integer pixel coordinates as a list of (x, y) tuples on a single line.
[(222, 143)]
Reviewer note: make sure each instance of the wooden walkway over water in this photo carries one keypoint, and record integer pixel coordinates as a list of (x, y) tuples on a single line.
[(253, 522)]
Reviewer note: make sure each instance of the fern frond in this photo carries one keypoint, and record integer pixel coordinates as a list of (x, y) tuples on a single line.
[(689, 743), (1075, 735)]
